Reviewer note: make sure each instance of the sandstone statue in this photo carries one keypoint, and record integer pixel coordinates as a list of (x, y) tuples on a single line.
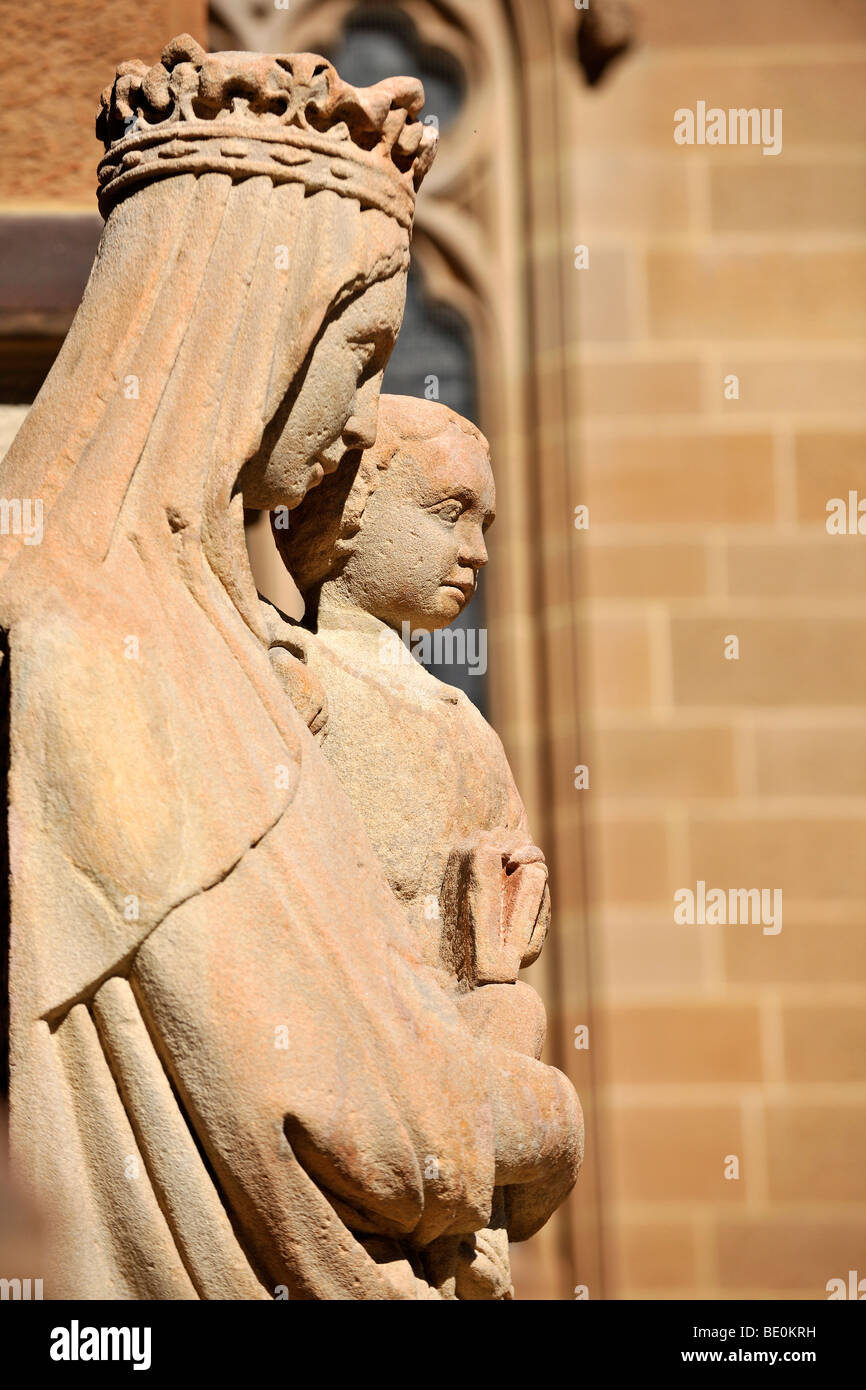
[(236, 1067), (388, 547)]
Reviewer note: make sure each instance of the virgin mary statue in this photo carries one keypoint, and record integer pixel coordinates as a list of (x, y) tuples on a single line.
[(231, 1074)]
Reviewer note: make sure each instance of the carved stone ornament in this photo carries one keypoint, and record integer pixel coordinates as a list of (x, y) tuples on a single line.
[(291, 118), (243, 1063)]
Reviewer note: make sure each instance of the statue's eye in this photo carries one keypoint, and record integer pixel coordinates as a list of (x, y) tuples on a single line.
[(450, 511)]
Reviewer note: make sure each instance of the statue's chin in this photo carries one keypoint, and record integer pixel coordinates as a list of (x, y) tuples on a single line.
[(448, 606), (433, 622)]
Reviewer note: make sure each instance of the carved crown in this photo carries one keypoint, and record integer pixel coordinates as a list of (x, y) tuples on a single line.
[(290, 117)]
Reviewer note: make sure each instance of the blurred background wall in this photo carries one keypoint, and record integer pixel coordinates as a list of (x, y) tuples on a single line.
[(707, 519), (600, 378)]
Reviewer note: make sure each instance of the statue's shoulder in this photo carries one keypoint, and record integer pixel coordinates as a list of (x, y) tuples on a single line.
[(488, 754), (482, 734)]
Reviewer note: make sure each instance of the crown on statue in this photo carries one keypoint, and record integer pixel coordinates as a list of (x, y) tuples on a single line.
[(291, 117)]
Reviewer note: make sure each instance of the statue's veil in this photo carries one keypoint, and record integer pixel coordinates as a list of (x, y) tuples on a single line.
[(204, 301)]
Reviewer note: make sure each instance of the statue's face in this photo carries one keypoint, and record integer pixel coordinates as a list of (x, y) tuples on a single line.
[(334, 406), (421, 544)]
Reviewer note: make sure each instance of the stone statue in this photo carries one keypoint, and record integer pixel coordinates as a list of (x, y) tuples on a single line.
[(235, 1069), (388, 547)]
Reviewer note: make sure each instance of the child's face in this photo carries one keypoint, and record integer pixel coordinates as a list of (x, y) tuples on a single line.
[(421, 544)]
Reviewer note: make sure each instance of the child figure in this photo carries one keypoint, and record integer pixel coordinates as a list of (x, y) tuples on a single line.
[(390, 544)]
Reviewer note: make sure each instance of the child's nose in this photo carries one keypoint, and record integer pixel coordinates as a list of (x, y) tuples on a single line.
[(473, 551)]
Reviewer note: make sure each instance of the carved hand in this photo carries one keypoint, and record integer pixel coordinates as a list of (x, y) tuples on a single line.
[(496, 907)]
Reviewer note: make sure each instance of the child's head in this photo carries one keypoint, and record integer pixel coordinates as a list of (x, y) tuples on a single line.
[(400, 528)]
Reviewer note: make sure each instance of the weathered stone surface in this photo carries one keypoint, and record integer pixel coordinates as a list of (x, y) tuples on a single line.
[(237, 1068)]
